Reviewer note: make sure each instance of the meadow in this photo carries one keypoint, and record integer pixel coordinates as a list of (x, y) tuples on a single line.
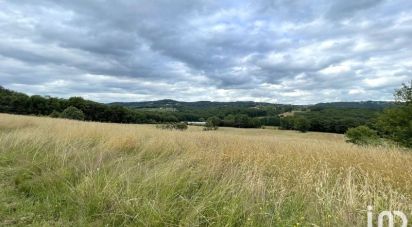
[(56, 172)]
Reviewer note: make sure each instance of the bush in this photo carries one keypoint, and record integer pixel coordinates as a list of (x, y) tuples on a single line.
[(396, 123), (212, 124), (180, 126), (301, 124), (55, 114), (72, 112), (362, 135), (286, 123), (173, 126)]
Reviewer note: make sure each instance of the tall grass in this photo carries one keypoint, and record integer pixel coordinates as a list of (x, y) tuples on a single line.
[(57, 172)]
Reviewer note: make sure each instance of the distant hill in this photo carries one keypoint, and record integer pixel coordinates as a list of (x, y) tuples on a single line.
[(169, 103), (376, 105), (323, 117)]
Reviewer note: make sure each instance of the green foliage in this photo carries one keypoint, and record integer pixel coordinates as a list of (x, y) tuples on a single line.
[(301, 124), (404, 94), (212, 123), (362, 135), (295, 123), (257, 113), (241, 121), (372, 105), (18, 103), (287, 123), (324, 118), (55, 114), (72, 112), (181, 126), (335, 120), (396, 123), (339, 120), (174, 126), (270, 120)]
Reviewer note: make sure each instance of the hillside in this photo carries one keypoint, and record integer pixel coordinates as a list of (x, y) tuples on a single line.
[(378, 105), (169, 103), (56, 172), (325, 117)]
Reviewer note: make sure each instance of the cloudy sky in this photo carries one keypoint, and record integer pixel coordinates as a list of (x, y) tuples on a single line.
[(290, 51)]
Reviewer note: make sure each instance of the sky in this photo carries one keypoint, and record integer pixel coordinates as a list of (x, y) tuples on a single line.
[(279, 51)]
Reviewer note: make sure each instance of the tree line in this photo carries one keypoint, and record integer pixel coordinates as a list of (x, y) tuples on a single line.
[(234, 114), (19, 103), (393, 126), (328, 119)]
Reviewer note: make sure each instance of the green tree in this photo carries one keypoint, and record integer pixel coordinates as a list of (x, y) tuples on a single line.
[(404, 94), (301, 124), (396, 123), (55, 114), (241, 120), (39, 105), (287, 122), (362, 135), (255, 123), (229, 120), (72, 112), (212, 123), (77, 102), (270, 121)]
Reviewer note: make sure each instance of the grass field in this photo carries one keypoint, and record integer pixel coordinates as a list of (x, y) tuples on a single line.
[(57, 172)]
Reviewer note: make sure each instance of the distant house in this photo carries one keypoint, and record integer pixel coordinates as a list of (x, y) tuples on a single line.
[(197, 123)]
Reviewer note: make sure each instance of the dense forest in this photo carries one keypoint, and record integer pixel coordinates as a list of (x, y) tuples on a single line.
[(329, 119), (325, 117)]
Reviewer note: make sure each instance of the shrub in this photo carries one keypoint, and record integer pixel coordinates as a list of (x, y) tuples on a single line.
[(165, 126), (72, 112), (212, 123), (362, 135), (180, 126), (287, 122), (55, 114), (396, 123), (301, 124), (173, 126)]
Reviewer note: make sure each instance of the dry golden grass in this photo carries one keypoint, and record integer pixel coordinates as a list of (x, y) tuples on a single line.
[(62, 172)]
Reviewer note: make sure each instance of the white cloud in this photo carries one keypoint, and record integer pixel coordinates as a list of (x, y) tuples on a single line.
[(279, 51), (356, 91), (335, 69)]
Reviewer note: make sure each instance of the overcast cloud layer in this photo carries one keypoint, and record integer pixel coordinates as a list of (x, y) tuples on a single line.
[(287, 51)]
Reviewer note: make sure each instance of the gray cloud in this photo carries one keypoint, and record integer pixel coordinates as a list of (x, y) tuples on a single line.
[(265, 50), (341, 8)]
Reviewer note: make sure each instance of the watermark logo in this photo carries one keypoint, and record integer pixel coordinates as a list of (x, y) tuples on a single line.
[(387, 215)]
